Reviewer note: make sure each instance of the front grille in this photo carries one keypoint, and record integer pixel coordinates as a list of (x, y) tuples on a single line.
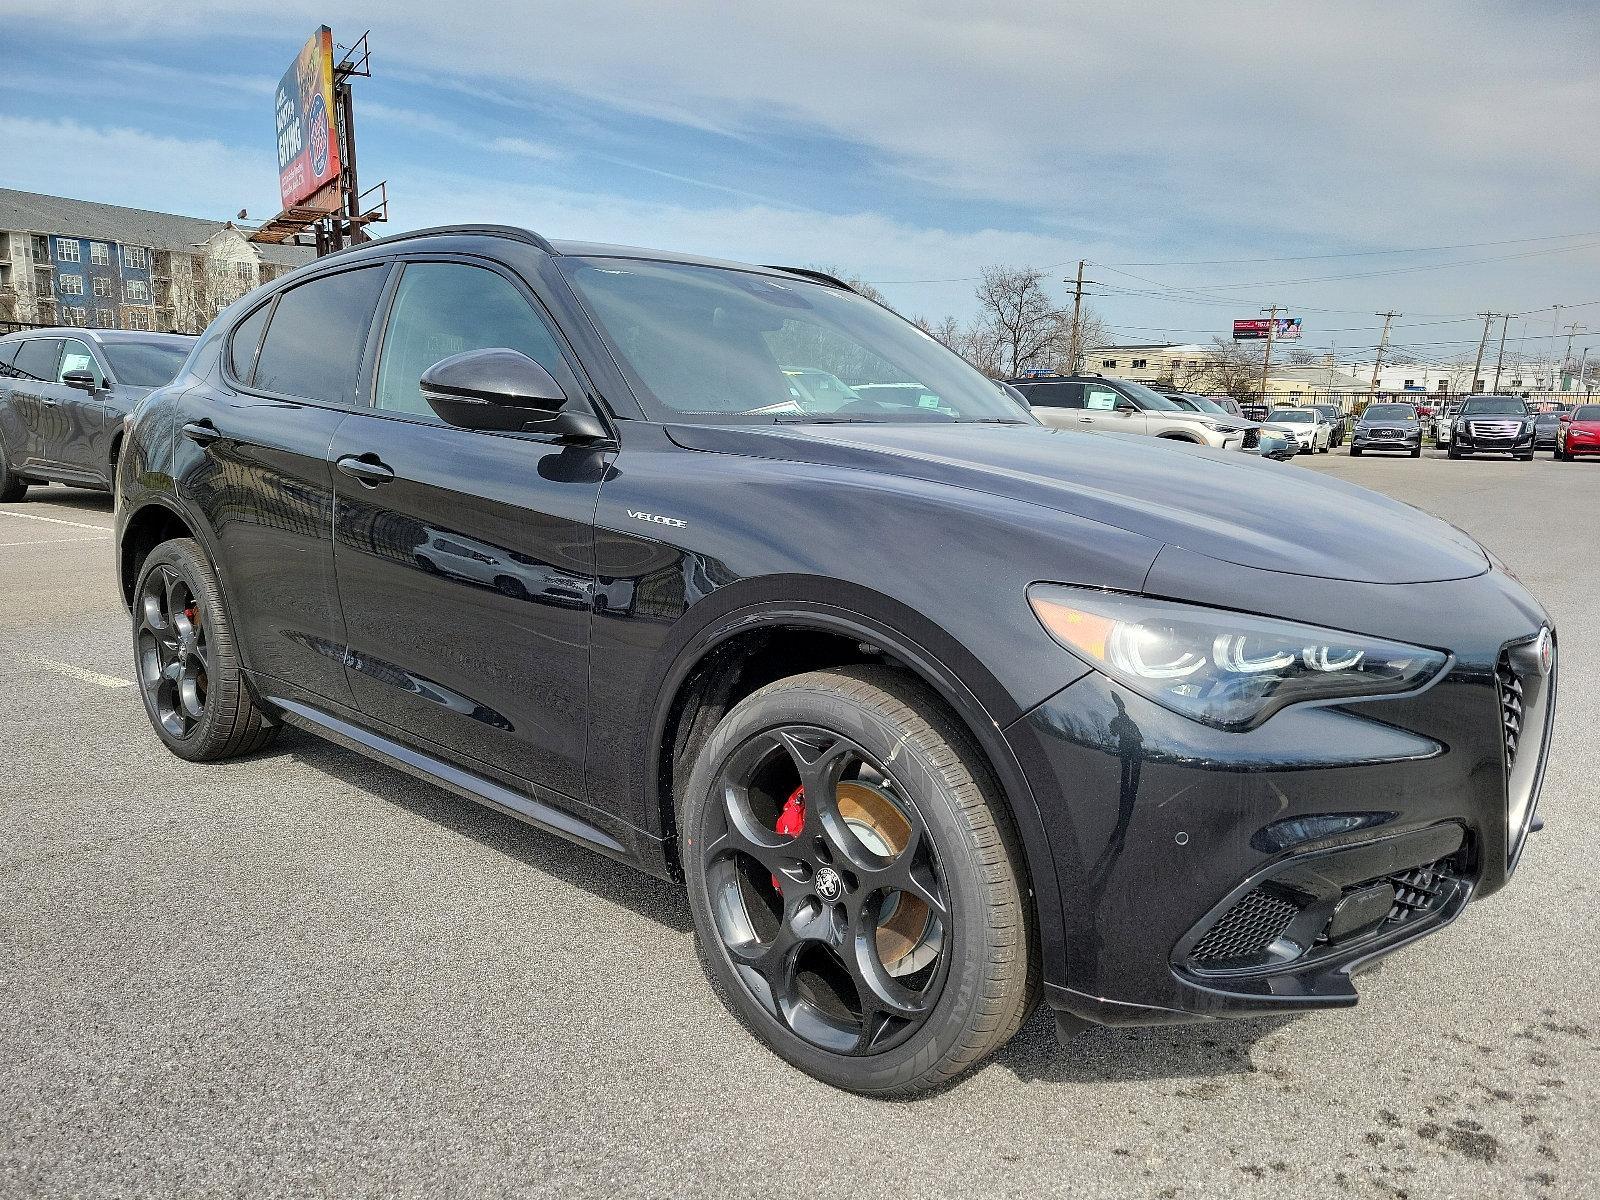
[(1494, 430), (1511, 706), (1252, 438), (1246, 930), (1387, 433)]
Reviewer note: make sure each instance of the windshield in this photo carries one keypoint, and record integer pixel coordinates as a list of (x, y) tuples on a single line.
[(1389, 412), (1588, 412), (1494, 406), (145, 364), (1293, 416), (719, 344), (1148, 397), (1549, 418), (1206, 406)]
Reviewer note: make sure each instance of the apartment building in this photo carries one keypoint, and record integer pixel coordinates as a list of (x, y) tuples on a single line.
[(102, 266)]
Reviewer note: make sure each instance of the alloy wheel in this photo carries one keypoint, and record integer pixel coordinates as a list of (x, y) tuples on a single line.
[(826, 890), (174, 652)]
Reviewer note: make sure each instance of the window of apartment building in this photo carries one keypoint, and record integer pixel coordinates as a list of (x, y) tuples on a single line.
[(138, 319), (75, 315), (242, 270), (1108, 362), (103, 318), (102, 286), (72, 285), (66, 251), (138, 290), (135, 256), (41, 248), (100, 254), (1139, 362)]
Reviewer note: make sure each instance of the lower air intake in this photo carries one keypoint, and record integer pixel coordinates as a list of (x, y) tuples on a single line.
[(1246, 930)]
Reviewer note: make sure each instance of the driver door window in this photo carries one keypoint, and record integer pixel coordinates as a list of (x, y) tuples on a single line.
[(443, 308)]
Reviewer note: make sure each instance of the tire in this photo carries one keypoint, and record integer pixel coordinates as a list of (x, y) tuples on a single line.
[(1324, 449), (1453, 452), (982, 980), (186, 661), (1355, 451), (1417, 453), (12, 486)]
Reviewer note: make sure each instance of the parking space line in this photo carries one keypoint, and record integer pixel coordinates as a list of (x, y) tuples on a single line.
[(73, 541), (57, 521), (76, 672)]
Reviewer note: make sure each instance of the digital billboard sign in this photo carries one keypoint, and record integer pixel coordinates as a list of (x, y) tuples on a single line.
[(1288, 329), (308, 142)]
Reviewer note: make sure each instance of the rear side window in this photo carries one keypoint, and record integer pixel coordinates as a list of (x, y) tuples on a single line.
[(313, 346), (8, 351), (1055, 395), (246, 341), (37, 359)]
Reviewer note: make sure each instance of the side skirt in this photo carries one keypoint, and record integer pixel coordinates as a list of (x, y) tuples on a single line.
[(453, 778)]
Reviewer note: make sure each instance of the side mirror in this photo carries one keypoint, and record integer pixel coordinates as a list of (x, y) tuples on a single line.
[(1126, 405), (504, 391), (84, 381)]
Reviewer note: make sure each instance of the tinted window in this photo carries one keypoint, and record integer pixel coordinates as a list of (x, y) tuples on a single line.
[(1055, 395), (8, 351), (145, 364), (37, 359), (442, 309), (246, 340), (1588, 412), (75, 356), (1390, 412), (313, 347), (1498, 406)]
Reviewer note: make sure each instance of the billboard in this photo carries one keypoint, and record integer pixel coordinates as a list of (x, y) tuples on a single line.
[(308, 142), (1288, 329)]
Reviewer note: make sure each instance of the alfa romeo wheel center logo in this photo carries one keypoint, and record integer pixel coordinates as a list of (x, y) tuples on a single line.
[(829, 885)]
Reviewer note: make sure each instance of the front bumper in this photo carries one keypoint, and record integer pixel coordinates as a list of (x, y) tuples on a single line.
[(1466, 443), (1582, 445), (1206, 873), (1370, 439)]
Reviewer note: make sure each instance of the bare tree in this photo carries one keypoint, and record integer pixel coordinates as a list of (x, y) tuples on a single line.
[(861, 286), (1026, 324), (1229, 368)]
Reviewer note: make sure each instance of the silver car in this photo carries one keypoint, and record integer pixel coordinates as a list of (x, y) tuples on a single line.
[(1313, 429), (1123, 406)]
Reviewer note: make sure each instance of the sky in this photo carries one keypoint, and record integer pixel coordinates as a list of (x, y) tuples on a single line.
[(1436, 158)]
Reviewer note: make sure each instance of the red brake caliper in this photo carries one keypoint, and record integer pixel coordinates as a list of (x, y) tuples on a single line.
[(791, 820)]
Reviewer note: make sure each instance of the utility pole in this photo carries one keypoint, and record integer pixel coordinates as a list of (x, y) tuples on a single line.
[(1077, 316), (1583, 361), (1383, 342), (1555, 327), (1266, 359), (1555, 384), (1505, 323), (1483, 342)]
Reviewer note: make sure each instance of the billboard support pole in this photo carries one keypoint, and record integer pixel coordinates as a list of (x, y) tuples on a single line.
[(1266, 359)]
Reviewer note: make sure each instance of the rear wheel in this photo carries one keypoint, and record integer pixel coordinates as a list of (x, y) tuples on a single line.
[(186, 660), (12, 486), (857, 890)]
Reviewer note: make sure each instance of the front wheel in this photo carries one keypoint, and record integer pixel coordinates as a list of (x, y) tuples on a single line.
[(186, 660), (1416, 452), (1355, 451), (858, 893)]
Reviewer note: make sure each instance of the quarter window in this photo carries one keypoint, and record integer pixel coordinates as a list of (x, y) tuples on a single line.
[(442, 309), (313, 347), (246, 340)]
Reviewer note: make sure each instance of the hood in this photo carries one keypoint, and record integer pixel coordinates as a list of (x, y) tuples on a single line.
[(1223, 504)]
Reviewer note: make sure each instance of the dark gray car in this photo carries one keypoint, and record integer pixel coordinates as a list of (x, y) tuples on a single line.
[(63, 394), (1390, 427)]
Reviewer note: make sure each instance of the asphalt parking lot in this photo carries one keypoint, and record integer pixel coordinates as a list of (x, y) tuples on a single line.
[(307, 974)]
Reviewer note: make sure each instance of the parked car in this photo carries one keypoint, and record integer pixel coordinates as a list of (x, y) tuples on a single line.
[(63, 394), (1547, 428), (1443, 420), (1309, 425), (1098, 402), (933, 710), (1580, 437), (1388, 427), (1276, 444), (1492, 425), (1338, 419)]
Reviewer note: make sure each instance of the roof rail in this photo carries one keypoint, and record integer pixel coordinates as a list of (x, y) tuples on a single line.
[(513, 232), (807, 272)]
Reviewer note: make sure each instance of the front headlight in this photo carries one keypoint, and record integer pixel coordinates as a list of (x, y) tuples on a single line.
[(1231, 670)]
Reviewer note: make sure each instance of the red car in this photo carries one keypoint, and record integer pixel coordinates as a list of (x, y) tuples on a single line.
[(1580, 437)]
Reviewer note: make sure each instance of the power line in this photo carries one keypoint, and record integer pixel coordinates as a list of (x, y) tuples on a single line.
[(1225, 262)]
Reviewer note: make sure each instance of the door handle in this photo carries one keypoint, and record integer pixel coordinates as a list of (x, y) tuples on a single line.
[(202, 432), (369, 469)]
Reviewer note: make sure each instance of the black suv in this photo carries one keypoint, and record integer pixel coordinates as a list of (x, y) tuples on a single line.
[(1493, 425), (933, 709)]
